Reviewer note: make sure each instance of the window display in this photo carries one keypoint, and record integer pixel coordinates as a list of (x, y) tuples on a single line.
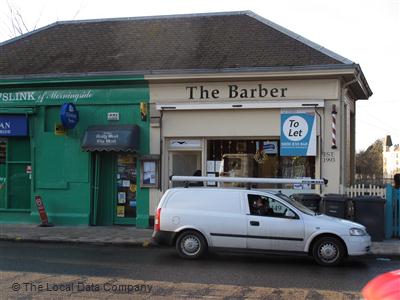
[(126, 193), (255, 158)]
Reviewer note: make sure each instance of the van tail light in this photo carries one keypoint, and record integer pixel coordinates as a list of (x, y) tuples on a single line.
[(157, 220)]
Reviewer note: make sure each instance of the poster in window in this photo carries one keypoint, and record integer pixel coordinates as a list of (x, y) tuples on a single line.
[(120, 211), (270, 147), (121, 197), (149, 172)]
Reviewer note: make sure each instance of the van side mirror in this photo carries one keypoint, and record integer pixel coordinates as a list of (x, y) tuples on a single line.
[(289, 214)]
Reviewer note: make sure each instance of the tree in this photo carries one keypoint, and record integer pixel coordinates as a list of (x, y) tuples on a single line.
[(15, 24), (13, 21), (369, 163)]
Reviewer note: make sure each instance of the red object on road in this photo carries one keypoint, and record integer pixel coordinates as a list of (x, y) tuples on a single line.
[(383, 287), (42, 212)]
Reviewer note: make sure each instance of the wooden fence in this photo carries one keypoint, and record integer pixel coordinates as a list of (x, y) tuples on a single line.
[(366, 190)]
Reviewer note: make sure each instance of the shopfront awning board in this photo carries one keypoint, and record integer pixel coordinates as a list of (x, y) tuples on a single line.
[(123, 138), (242, 105)]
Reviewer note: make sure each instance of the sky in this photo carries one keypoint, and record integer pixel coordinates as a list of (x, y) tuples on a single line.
[(364, 31)]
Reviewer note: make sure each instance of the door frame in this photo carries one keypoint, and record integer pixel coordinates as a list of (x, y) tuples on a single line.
[(96, 190)]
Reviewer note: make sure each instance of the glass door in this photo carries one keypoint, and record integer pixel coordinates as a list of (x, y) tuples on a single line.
[(184, 163), (126, 190)]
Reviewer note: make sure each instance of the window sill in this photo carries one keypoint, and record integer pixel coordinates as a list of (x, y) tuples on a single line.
[(15, 210)]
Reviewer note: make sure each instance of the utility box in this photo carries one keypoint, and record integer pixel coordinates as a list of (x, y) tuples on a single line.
[(310, 200), (337, 205), (370, 212)]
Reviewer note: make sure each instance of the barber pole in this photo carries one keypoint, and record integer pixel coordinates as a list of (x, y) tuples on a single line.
[(334, 113)]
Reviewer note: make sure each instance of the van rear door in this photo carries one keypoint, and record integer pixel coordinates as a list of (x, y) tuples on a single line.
[(223, 218)]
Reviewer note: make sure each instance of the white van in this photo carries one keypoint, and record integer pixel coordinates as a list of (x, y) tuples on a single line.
[(198, 219)]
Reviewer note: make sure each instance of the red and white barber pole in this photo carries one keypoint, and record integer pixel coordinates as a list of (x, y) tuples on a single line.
[(334, 113)]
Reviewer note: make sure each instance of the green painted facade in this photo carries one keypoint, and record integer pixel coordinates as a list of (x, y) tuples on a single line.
[(77, 187)]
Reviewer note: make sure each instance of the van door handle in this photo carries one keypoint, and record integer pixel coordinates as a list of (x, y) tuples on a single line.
[(254, 223)]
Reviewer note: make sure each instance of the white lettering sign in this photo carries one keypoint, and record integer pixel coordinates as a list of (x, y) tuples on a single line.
[(41, 96)]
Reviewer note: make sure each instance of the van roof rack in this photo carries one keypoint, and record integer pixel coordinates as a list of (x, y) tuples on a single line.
[(248, 180)]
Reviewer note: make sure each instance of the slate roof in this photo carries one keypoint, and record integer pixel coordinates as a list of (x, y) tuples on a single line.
[(157, 44)]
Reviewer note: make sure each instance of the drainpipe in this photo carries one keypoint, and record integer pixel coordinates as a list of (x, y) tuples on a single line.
[(161, 153), (343, 130), (321, 145), (320, 148)]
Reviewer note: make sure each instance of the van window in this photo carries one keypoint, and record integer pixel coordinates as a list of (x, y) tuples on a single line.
[(264, 206), (209, 200)]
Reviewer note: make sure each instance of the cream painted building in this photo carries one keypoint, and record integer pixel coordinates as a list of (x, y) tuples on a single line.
[(185, 128)]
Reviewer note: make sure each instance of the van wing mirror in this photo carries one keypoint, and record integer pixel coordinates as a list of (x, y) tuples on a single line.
[(289, 214)]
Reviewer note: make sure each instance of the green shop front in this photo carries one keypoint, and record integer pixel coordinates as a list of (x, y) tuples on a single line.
[(86, 173)]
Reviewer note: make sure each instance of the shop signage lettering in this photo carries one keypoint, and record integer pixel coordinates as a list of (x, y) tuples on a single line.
[(5, 125), (46, 96), (19, 96), (13, 125), (233, 91), (298, 134), (107, 138), (328, 157)]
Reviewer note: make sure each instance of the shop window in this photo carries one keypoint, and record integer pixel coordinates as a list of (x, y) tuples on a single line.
[(19, 150), (127, 188), (3, 149), (255, 158), (15, 177)]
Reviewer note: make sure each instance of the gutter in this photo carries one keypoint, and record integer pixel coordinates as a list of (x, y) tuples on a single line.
[(178, 74), (288, 72)]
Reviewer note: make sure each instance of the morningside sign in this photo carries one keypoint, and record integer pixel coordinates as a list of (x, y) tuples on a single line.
[(45, 96)]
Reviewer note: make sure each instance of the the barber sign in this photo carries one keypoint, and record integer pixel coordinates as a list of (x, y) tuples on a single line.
[(298, 134)]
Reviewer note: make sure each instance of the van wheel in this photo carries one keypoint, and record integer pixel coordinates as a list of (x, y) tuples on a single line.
[(191, 244), (328, 251)]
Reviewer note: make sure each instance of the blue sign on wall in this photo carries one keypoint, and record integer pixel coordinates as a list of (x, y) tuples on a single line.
[(69, 115), (298, 134), (13, 125)]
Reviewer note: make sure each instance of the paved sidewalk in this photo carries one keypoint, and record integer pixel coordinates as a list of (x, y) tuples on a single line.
[(116, 235), (119, 235)]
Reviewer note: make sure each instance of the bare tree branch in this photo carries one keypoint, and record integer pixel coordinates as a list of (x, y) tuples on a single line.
[(22, 21), (81, 5)]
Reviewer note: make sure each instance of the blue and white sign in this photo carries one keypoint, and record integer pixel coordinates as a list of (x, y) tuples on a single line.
[(69, 115), (270, 147), (13, 125), (298, 134)]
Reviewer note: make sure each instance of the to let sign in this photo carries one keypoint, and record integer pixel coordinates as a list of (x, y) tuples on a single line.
[(298, 134)]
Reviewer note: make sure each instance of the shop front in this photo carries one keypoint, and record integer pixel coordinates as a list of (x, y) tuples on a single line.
[(265, 102), (253, 128), (79, 149)]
